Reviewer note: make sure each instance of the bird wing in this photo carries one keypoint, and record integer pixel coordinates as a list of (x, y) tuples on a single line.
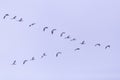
[(83, 42), (73, 39), (97, 44), (5, 16), (14, 17), (45, 28), (58, 53), (14, 62), (33, 23), (107, 46), (67, 37), (24, 61), (53, 31), (20, 20), (44, 54), (62, 34), (77, 49)]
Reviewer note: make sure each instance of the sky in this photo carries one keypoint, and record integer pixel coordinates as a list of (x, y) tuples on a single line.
[(92, 21)]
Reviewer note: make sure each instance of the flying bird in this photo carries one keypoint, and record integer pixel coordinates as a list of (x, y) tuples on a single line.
[(67, 37), (5, 16), (108, 46), (58, 53), (33, 58), (73, 39), (98, 44), (45, 28), (14, 62), (77, 49), (53, 31), (25, 61), (32, 24), (14, 17), (20, 20), (62, 34), (43, 55), (82, 43)]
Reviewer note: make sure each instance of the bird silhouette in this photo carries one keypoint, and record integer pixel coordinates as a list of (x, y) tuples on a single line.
[(76, 49), (53, 31), (25, 61), (82, 43), (67, 37), (58, 53), (45, 28), (20, 20), (14, 17), (32, 24), (14, 62), (33, 58), (73, 39), (62, 34), (98, 44), (43, 55), (5, 16), (108, 46)]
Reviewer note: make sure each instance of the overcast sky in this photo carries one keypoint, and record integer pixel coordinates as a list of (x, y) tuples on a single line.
[(92, 21)]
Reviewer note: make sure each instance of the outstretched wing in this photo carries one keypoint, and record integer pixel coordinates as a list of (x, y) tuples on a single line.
[(62, 34), (53, 31), (45, 28), (58, 53)]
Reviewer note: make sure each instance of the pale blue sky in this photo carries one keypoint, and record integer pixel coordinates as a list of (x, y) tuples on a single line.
[(95, 21)]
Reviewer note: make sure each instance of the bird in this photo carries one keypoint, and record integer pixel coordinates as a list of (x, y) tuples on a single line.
[(45, 28), (108, 46), (14, 17), (53, 31), (62, 34), (14, 62), (98, 44), (25, 61), (5, 16), (33, 58), (67, 37), (76, 49), (58, 53), (73, 39), (20, 20), (32, 24), (43, 55), (82, 43)]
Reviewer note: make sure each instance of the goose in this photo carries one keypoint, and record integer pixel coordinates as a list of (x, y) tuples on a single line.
[(67, 37), (32, 24), (82, 43), (53, 31), (25, 61), (33, 58), (73, 39), (5, 16), (45, 28), (14, 62), (43, 55), (14, 17), (62, 34), (98, 44), (77, 49), (20, 20), (58, 53), (108, 46)]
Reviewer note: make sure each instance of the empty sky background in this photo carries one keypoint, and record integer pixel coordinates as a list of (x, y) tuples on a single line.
[(95, 21)]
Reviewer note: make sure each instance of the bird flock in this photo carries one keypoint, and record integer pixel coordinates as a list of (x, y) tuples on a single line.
[(52, 32)]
